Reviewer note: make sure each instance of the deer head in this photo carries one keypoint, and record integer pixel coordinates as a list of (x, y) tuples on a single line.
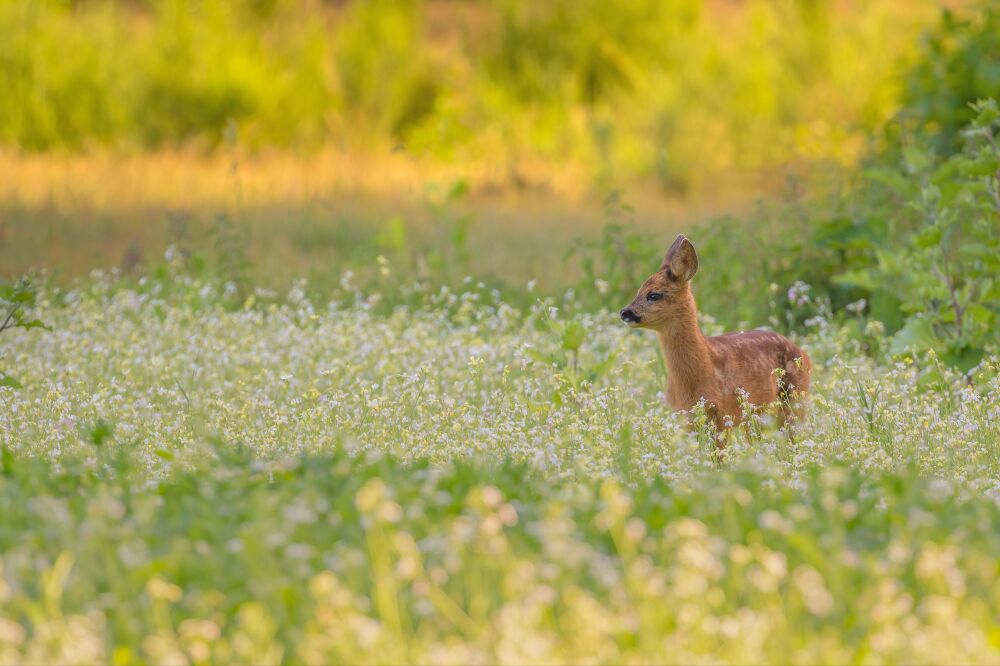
[(666, 294)]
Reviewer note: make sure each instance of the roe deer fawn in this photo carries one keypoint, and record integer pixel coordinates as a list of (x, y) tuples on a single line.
[(766, 365)]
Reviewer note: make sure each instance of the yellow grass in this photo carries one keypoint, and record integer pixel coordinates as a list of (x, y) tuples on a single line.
[(69, 214)]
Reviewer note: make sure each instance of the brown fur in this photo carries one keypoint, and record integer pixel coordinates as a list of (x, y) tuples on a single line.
[(768, 366)]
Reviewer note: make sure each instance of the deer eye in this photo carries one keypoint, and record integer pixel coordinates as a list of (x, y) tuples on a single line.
[(653, 296)]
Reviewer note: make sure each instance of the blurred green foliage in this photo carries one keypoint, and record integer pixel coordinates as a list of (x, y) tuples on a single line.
[(287, 560), (943, 270), (959, 63), (673, 91)]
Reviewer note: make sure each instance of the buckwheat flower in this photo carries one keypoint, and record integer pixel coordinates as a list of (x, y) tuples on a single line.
[(875, 328), (772, 520), (299, 512), (857, 307), (798, 293)]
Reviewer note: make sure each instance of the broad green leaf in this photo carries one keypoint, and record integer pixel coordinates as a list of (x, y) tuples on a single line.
[(7, 380), (573, 335), (863, 277), (979, 314), (886, 307), (964, 359), (916, 335)]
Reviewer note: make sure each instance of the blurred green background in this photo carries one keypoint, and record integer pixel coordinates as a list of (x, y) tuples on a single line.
[(673, 92), (508, 143)]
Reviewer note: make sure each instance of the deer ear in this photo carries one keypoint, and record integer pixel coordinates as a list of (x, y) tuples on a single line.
[(681, 258)]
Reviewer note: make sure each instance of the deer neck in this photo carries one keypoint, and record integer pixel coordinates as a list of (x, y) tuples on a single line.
[(685, 349)]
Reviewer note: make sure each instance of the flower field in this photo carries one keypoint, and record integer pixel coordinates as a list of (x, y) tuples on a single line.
[(311, 352), (185, 480)]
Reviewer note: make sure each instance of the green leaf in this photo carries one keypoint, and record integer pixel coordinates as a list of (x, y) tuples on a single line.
[(598, 370), (983, 253), (964, 359), (863, 277), (916, 335), (7, 380), (34, 323), (6, 460), (101, 431), (928, 237), (573, 335), (932, 378), (542, 357), (979, 314), (986, 112), (888, 176), (886, 307)]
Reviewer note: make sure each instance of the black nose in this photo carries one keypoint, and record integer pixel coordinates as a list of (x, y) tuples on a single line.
[(628, 315)]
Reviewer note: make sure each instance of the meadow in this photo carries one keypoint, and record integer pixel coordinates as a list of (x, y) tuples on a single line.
[(310, 350), (471, 481)]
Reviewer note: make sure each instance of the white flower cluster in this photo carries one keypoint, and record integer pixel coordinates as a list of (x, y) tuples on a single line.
[(205, 561), (486, 382)]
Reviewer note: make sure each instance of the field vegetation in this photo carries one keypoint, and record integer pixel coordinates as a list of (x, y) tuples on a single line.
[(466, 480), (271, 392)]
